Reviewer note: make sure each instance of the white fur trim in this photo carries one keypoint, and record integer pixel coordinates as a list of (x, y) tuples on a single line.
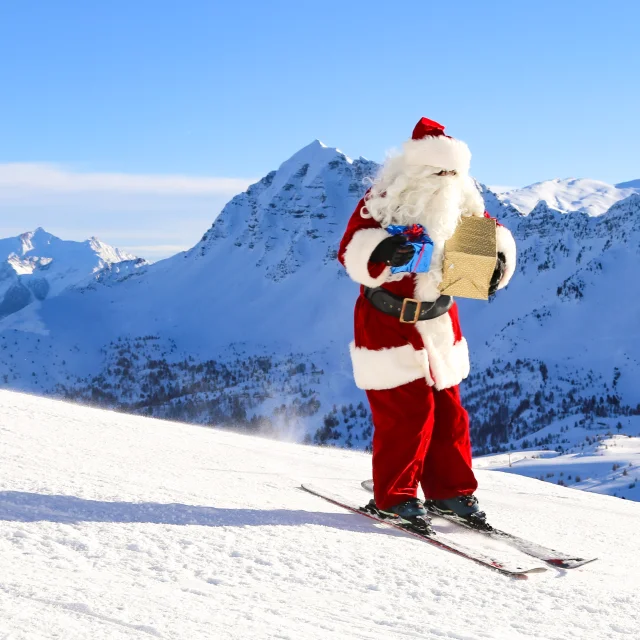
[(507, 245), (388, 368), (358, 252), (449, 362), (439, 151), (451, 370)]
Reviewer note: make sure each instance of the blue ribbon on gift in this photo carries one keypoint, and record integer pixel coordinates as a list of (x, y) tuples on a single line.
[(417, 237)]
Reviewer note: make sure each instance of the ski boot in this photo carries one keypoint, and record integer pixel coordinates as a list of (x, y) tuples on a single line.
[(463, 508), (411, 512)]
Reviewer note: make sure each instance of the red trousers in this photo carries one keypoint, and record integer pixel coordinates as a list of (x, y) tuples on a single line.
[(420, 436)]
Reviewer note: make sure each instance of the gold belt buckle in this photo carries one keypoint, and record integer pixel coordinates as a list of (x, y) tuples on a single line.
[(417, 314)]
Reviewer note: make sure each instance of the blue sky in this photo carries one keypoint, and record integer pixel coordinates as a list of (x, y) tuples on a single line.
[(218, 93)]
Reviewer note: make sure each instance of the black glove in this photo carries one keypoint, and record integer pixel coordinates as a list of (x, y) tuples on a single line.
[(393, 251), (501, 265)]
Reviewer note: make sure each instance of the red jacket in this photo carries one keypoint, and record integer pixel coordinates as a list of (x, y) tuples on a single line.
[(385, 352)]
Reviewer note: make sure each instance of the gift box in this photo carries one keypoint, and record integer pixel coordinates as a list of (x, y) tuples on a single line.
[(470, 259), (420, 241)]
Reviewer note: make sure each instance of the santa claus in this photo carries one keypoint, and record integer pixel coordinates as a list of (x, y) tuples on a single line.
[(409, 353)]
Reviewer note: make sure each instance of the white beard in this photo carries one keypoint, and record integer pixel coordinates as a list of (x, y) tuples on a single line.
[(405, 193)]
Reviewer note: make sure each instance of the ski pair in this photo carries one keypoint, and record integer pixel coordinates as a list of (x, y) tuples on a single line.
[(550, 556), (506, 569)]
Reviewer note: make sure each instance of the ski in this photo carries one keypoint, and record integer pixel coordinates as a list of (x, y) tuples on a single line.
[(550, 556), (520, 573)]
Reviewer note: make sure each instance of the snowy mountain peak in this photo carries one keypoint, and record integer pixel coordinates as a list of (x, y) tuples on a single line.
[(592, 197), (31, 239), (37, 265), (107, 253), (292, 215), (305, 165), (41, 243)]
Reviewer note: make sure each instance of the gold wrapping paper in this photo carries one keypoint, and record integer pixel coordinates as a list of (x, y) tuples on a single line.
[(470, 259)]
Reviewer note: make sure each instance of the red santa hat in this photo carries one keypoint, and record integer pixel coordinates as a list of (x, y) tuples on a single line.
[(430, 146)]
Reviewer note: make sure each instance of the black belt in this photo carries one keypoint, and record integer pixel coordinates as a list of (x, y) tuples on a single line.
[(399, 307)]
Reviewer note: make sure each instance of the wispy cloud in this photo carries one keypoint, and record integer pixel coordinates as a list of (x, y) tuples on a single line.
[(152, 216), (26, 177)]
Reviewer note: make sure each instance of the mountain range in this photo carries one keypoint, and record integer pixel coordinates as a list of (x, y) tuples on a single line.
[(571, 195), (37, 265), (250, 327)]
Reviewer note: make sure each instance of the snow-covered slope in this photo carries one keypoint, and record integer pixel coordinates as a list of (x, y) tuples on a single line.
[(604, 459), (587, 196), (38, 265), (116, 526)]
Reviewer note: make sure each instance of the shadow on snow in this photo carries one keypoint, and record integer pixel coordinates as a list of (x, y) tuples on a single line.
[(19, 506)]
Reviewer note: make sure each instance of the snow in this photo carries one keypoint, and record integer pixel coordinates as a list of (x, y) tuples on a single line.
[(38, 265), (116, 526), (40, 244), (592, 197), (605, 460)]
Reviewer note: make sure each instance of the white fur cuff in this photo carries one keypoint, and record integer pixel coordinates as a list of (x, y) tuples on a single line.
[(507, 245), (386, 368), (358, 252)]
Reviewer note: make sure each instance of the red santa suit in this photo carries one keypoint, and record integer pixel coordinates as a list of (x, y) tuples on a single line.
[(411, 371)]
